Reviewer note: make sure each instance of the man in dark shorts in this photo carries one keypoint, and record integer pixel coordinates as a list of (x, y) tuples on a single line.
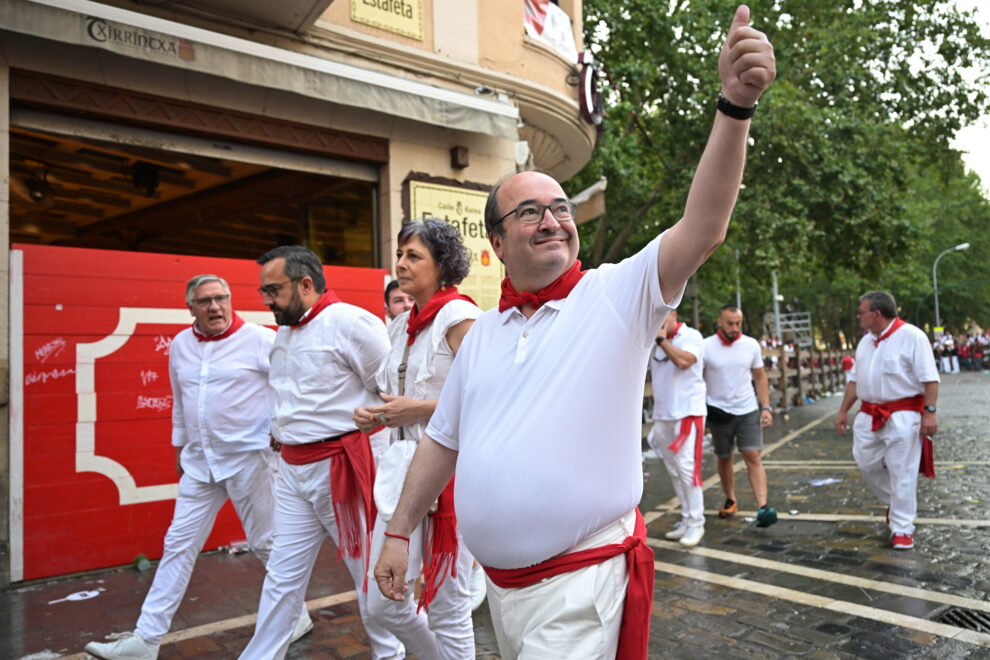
[(737, 414)]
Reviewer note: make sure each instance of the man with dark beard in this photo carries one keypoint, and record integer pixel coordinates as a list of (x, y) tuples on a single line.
[(736, 414), (323, 366)]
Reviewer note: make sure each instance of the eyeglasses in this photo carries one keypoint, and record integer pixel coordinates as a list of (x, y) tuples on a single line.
[(530, 213), (222, 299), (271, 290)]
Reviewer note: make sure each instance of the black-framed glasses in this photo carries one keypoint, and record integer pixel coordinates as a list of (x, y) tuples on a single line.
[(206, 301), (271, 290), (530, 213)]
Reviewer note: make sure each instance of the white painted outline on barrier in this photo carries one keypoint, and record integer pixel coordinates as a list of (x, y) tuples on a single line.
[(86, 356)]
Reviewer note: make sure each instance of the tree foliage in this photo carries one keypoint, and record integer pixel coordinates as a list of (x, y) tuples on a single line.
[(850, 184)]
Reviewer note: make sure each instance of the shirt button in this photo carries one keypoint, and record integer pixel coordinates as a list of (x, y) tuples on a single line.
[(526, 335)]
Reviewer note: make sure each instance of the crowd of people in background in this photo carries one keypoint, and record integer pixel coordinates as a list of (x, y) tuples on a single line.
[(963, 352)]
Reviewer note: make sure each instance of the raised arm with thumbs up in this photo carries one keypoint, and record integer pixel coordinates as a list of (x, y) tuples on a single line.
[(747, 66)]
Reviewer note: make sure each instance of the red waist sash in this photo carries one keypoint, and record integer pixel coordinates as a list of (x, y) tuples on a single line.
[(694, 423), (634, 633), (880, 412), (441, 547), (352, 478)]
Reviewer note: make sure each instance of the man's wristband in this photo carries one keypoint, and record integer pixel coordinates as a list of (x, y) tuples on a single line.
[(397, 536), (727, 107), (766, 409)]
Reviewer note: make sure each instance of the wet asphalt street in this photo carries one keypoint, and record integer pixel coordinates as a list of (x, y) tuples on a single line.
[(821, 583)]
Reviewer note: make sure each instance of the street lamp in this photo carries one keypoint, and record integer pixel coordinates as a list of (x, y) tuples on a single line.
[(958, 248)]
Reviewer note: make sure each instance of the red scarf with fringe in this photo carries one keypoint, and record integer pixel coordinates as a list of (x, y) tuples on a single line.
[(634, 632), (880, 412), (235, 324), (420, 319), (328, 298), (556, 290), (441, 547), (352, 478), (695, 424)]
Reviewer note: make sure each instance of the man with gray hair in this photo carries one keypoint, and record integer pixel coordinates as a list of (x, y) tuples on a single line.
[(896, 378), (220, 430)]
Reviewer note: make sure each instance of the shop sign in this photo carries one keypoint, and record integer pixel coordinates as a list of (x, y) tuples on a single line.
[(465, 209), (403, 17), (126, 38)]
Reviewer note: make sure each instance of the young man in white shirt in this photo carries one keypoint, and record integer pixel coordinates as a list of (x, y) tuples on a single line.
[(221, 405), (539, 414), (396, 302), (676, 371), (323, 366), (896, 379), (737, 414)]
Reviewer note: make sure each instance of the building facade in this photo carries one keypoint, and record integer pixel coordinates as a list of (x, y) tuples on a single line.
[(222, 128)]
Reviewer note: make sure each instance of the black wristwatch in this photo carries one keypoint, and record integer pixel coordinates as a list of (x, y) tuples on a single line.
[(660, 339), (729, 108), (930, 409)]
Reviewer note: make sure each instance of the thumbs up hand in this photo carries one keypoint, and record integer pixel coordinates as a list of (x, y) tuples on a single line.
[(746, 63)]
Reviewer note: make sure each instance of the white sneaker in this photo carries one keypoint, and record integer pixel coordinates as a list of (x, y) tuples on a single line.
[(478, 586), (679, 529), (303, 626), (127, 646), (693, 535)]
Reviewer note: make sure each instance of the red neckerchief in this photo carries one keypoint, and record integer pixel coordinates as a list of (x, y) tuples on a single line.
[(419, 320), (634, 631), (328, 298), (893, 326), (556, 290), (235, 324), (676, 330), (727, 342)]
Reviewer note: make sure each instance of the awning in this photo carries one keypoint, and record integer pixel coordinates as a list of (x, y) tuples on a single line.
[(159, 41)]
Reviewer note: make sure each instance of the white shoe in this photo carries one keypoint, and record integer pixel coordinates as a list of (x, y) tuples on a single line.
[(693, 535), (478, 586), (303, 626), (127, 646), (679, 529)]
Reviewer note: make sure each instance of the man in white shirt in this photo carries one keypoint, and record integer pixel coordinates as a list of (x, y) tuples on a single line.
[(539, 414), (323, 366), (896, 379), (737, 414), (676, 370), (220, 417), (396, 302)]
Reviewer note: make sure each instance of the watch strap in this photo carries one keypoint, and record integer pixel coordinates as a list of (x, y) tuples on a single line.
[(729, 108)]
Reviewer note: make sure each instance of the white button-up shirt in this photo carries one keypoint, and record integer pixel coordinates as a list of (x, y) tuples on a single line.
[(896, 369), (221, 404), (679, 393), (546, 415), (323, 370)]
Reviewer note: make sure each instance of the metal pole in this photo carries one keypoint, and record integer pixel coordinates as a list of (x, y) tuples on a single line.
[(938, 324), (776, 308), (957, 248), (738, 286)]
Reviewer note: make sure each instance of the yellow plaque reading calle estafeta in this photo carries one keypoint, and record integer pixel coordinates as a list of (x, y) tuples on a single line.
[(465, 209), (403, 17)]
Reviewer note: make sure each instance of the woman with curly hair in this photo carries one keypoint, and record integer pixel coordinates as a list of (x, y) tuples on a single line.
[(431, 261)]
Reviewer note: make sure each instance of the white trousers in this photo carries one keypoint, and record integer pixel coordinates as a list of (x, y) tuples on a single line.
[(575, 615), (680, 467), (303, 519), (446, 631), (196, 508), (888, 460)]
